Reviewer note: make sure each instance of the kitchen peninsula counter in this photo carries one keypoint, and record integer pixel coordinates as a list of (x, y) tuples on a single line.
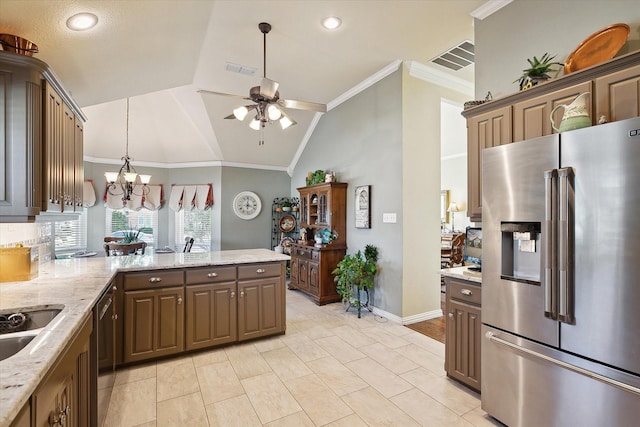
[(76, 284)]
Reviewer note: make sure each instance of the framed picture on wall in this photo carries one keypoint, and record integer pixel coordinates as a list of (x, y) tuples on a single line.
[(362, 208)]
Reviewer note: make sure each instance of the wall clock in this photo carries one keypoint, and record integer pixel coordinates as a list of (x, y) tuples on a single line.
[(247, 205)]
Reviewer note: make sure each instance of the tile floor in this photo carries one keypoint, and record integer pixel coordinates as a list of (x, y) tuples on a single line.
[(329, 369)]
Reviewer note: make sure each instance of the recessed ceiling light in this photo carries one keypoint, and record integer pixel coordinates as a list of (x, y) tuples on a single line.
[(331, 23), (82, 21)]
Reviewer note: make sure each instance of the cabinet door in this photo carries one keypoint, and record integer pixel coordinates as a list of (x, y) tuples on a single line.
[(54, 137), (303, 274), (295, 269), (68, 160), (154, 323), (260, 307), (211, 315), (485, 130), (531, 118), (463, 343), (78, 170), (618, 95), (314, 278)]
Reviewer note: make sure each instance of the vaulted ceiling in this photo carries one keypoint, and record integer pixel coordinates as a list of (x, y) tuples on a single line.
[(158, 53)]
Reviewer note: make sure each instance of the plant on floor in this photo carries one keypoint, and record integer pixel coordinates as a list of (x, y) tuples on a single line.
[(356, 273)]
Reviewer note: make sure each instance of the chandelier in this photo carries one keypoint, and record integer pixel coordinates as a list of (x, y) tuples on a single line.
[(124, 182)]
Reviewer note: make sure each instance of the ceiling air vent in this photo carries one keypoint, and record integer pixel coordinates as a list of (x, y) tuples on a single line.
[(240, 69), (457, 57)]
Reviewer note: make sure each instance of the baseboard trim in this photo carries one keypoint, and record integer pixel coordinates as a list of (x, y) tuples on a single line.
[(407, 320)]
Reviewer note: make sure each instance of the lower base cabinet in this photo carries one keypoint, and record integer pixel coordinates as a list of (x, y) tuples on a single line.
[(154, 323), (311, 271), (463, 331), (170, 311), (62, 398)]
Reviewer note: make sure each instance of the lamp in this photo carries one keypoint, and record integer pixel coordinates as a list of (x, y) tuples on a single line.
[(453, 208), (122, 183)]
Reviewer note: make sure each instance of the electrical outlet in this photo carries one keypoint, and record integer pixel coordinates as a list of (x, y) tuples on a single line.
[(389, 218)]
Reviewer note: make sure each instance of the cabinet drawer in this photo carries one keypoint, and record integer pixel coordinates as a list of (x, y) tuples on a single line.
[(302, 252), (464, 291), (153, 279), (210, 275), (257, 271), (315, 255)]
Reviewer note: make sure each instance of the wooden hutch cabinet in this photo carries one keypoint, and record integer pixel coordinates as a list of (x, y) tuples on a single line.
[(615, 94), (322, 207)]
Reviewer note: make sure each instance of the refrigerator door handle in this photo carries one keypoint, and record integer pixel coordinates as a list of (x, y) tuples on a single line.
[(493, 337), (550, 244), (565, 263)]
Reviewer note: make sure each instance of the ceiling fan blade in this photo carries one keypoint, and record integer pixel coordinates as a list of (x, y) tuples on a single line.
[(268, 88), (302, 105), (210, 92)]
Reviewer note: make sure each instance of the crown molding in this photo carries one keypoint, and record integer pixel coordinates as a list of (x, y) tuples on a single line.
[(368, 82), (440, 78), (213, 163), (489, 8)]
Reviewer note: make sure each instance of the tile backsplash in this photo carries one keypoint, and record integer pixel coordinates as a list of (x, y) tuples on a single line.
[(31, 234)]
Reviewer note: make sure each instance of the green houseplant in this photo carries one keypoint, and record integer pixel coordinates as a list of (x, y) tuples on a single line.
[(355, 274), (538, 71)]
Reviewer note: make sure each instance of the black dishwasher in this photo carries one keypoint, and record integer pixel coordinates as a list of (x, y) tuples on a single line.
[(103, 360)]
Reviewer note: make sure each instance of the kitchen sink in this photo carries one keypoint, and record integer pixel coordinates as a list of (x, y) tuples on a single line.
[(10, 345), (27, 320)]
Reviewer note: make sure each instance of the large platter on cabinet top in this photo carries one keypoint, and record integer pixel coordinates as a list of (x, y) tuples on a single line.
[(598, 47)]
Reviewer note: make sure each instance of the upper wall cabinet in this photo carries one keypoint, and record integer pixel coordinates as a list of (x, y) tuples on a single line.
[(40, 141), (615, 94)]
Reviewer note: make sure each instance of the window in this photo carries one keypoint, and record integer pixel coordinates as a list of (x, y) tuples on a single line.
[(144, 220), (71, 235), (197, 224)]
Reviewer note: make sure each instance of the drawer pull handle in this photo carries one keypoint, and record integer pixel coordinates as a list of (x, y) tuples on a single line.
[(115, 288), (260, 270), (302, 252), (210, 275), (179, 300), (233, 294), (466, 292), (451, 315), (155, 280)]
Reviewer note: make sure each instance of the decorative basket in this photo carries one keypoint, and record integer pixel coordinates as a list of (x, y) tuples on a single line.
[(470, 104), (17, 44)]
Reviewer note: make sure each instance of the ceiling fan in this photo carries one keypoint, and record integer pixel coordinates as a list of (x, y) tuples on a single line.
[(267, 102)]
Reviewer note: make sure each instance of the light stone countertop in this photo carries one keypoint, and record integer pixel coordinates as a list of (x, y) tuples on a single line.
[(76, 284), (462, 273)]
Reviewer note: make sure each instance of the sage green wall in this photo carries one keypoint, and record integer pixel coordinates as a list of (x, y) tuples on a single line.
[(525, 28), (237, 233), (361, 140)]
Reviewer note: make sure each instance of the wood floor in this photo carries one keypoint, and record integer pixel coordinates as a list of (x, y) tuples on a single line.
[(433, 328)]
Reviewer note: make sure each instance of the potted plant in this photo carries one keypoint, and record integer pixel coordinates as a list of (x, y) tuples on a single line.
[(355, 274), (286, 204), (538, 71), (294, 203)]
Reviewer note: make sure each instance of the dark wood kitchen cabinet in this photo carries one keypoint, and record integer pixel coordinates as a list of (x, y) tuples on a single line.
[(211, 307), (40, 131), (261, 300), (62, 398), (463, 336), (153, 314), (615, 94)]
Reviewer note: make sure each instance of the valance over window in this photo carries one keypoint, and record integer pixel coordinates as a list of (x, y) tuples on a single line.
[(152, 201), (188, 197)]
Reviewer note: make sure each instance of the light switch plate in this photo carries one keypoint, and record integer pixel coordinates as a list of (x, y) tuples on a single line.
[(389, 218)]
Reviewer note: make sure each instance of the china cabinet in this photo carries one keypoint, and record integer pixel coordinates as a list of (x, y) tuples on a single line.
[(322, 215)]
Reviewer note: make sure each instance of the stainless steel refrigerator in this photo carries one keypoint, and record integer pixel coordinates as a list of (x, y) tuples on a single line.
[(561, 278)]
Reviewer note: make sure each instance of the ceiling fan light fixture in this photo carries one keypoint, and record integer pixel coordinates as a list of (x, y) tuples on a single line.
[(274, 112), (331, 22), (240, 113), (255, 124), (82, 21), (285, 122)]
